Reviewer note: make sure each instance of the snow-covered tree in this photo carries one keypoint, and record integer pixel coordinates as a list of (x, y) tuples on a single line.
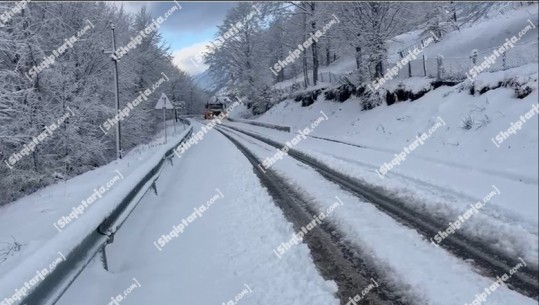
[(78, 84), (238, 58)]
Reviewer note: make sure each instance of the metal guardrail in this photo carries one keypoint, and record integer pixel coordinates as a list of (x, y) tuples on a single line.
[(282, 128), (49, 291), (185, 121)]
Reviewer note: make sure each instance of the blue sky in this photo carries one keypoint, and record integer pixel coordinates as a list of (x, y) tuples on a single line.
[(177, 42), (187, 31)]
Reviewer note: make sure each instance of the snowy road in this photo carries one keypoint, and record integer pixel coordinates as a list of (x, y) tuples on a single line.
[(438, 276), (229, 251), (396, 164), (219, 254), (491, 261), (419, 191)]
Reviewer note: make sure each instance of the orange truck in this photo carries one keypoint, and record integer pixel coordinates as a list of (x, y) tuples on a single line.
[(213, 109)]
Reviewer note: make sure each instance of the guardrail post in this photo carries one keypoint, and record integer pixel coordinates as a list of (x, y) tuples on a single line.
[(154, 187), (110, 240), (92, 246), (103, 257)]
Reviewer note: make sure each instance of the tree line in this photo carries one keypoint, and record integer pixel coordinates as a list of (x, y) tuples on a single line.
[(52, 63), (259, 54)]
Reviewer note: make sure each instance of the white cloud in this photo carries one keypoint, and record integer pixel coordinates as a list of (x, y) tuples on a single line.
[(132, 7), (187, 58)]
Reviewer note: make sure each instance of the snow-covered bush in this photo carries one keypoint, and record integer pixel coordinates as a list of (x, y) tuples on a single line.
[(369, 100), (467, 122)]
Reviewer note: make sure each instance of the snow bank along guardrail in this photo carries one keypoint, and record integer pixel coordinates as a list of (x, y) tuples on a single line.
[(489, 260), (281, 128), (52, 286)]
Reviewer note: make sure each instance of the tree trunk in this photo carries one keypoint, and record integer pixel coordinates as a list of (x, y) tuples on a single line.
[(359, 64), (328, 55), (358, 58), (304, 55), (453, 9), (379, 68), (379, 43), (315, 63), (305, 72), (314, 47)]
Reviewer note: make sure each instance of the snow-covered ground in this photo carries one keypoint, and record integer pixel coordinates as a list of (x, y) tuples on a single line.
[(425, 274), (455, 47), (465, 155), (484, 35), (452, 169), (225, 255), (41, 223), (226, 250), (390, 128)]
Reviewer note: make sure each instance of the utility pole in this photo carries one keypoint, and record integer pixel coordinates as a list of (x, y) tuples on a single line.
[(116, 92), (190, 111)]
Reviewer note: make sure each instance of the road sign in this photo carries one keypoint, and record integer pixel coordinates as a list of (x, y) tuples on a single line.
[(164, 103)]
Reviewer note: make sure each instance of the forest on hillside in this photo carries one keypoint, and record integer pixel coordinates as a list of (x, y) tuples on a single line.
[(52, 66), (282, 40)]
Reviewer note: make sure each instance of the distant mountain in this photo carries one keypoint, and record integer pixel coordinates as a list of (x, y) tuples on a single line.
[(204, 81)]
